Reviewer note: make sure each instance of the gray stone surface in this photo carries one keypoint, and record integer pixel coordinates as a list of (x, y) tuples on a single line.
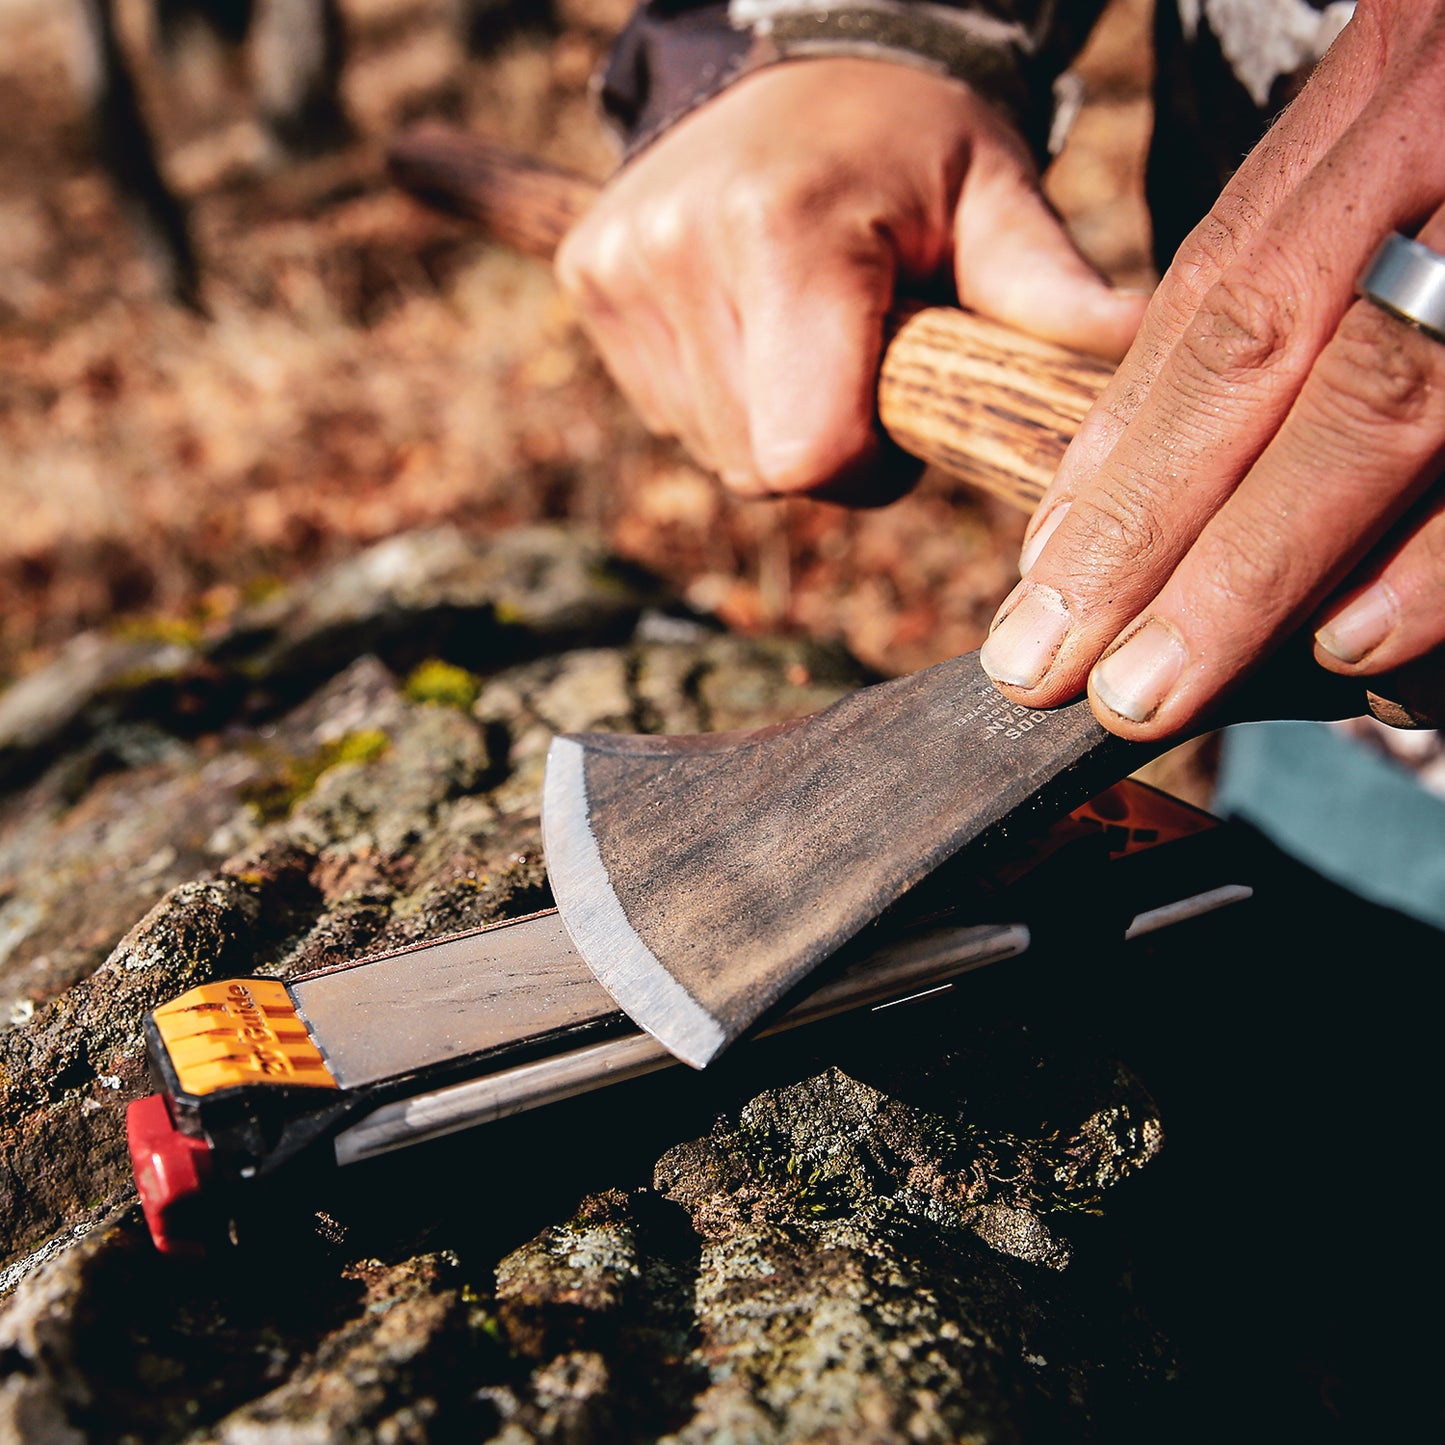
[(899, 1233)]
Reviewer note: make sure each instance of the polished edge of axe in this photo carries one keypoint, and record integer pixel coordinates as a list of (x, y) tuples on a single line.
[(594, 918)]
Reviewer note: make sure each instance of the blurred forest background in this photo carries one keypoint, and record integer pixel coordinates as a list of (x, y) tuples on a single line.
[(369, 368)]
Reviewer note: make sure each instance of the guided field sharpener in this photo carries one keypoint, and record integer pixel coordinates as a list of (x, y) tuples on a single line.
[(353, 1061)]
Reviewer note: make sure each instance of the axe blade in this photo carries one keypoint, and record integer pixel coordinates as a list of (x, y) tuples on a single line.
[(702, 878)]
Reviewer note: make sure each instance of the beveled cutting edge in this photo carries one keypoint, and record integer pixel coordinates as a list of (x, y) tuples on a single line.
[(702, 878), (620, 961)]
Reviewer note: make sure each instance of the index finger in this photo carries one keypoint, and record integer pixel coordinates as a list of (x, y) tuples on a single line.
[(1339, 89), (1219, 395)]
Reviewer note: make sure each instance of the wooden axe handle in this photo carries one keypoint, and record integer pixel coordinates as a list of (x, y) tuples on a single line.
[(979, 400)]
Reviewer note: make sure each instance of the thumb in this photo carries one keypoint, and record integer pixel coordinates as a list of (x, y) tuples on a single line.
[(1015, 263)]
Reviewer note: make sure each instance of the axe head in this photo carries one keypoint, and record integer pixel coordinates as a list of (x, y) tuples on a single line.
[(703, 877)]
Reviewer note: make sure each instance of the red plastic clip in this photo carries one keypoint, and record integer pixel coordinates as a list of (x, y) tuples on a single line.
[(171, 1169)]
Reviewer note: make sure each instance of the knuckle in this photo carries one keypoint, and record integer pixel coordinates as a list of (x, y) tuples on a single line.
[(1216, 242), (1208, 247), (570, 264), (766, 209), (775, 202), (1123, 524), (1241, 331), (665, 232), (1380, 372), (593, 260), (750, 204), (1242, 568)]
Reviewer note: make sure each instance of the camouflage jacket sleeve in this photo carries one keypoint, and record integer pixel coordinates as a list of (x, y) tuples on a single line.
[(675, 54)]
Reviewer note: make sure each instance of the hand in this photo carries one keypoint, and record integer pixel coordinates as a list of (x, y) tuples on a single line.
[(1270, 453), (736, 276)]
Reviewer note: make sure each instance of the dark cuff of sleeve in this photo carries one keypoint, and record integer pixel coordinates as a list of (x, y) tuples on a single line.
[(674, 56), (667, 62), (987, 54)]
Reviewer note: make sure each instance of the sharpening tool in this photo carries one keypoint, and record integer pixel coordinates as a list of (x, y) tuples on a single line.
[(363, 1058)]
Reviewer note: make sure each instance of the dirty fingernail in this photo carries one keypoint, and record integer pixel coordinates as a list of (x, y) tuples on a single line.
[(1036, 543), (1137, 676), (1023, 646), (1354, 632)]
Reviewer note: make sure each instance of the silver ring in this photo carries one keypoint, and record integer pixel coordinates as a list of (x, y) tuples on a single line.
[(1408, 280)]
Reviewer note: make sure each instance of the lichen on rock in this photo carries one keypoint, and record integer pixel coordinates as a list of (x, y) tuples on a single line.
[(898, 1233), (831, 1263)]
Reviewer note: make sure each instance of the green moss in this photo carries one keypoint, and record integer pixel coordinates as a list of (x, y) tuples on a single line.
[(801, 1187), (174, 631), (273, 797), (137, 679), (261, 589), (443, 684), (363, 746), (604, 579)]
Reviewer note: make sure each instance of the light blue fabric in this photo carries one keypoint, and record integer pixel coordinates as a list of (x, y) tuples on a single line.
[(1340, 807)]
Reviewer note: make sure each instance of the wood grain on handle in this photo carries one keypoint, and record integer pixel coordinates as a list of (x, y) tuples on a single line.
[(982, 402), (978, 400), (519, 201)]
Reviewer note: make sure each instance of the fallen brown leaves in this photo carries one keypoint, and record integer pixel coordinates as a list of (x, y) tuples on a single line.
[(368, 368)]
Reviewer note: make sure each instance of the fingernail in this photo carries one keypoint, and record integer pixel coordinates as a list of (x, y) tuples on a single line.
[(1138, 675), (1024, 644), (1355, 631), (1035, 544)]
